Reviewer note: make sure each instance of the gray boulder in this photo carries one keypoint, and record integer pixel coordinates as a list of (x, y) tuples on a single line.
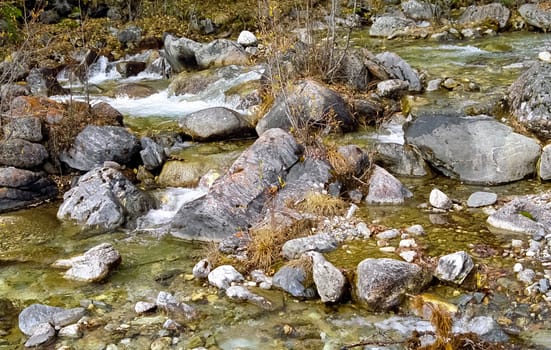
[(481, 199), (329, 280), (93, 266), (476, 14), (385, 188), (130, 34), (22, 154), (293, 280), (221, 52), (353, 72), (10, 91), (420, 10), (401, 159), (246, 39), (400, 69), (202, 269), (20, 188), (382, 284), (237, 198), (440, 200), (536, 15), (322, 242), (134, 90), (473, 149), (530, 99), (152, 154), (215, 123), (104, 199), (43, 334), (392, 88), (96, 144), (36, 314), (544, 164), (525, 214), (454, 267), (241, 293), (308, 104), (24, 128), (390, 25), (223, 276), (483, 326), (180, 52), (43, 82)]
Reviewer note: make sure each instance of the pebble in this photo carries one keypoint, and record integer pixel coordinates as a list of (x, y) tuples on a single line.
[(518, 267), (142, 307), (408, 255), (516, 243), (407, 243), (527, 276), (387, 249), (388, 234), (416, 230)]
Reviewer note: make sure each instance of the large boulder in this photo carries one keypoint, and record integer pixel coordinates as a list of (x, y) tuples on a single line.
[(221, 52), (382, 284), (544, 165), (385, 188), (215, 123), (390, 25), (93, 266), (477, 14), (22, 153), (322, 242), (36, 314), (475, 149), (537, 15), (420, 10), (529, 214), (104, 199), (25, 128), (530, 99), (294, 279), (236, 199), (329, 280), (307, 104), (43, 82), (180, 52), (400, 69), (20, 188), (401, 159), (96, 144)]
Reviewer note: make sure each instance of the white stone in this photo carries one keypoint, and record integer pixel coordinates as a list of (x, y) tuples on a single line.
[(408, 243), (439, 199), (518, 267), (223, 276), (247, 38), (387, 249), (516, 243), (71, 331), (545, 56), (142, 307), (454, 267), (408, 255)]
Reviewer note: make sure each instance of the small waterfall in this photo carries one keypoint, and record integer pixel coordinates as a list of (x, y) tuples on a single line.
[(102, 70)]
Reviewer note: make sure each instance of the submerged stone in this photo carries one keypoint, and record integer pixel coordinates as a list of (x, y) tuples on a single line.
[(454, 267)]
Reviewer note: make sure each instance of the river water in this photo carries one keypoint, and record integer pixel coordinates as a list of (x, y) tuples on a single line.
[(32, 239)]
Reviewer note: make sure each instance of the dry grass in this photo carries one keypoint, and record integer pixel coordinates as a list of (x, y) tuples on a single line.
[(321, 204)]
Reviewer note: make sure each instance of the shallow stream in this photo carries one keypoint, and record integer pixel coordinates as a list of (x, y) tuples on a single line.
[(32, 239)]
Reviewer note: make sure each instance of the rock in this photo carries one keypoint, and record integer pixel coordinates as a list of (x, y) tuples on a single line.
[(43, 334), (440, 200), (180, 53), (313, 105), (221, 52), (400, 69), (352, 71), (495, 154), (434, 85), (486, 328), (22, 154), (355, 159), (474, 14), (43, 82), (130, 68), (143, 307), (388, 234), (382, 284), (246, 39), (369, 110), (420, 10), (481, 199), (322, 242), (152, 154), (454, 267), (293, 280), (401, 160), (215, 123), (93, 266), (529, 98), (526, 276), (105, 111), (536, 15), (36, 314), (202, 269), (180, 311), (392, 88), (71, 331), (236, 199), (243, 294), (416, 230), (524, 214), (10, 91), (329, 280), (544, 164), (223, 276), (20, 188), (96, 144), (390, 25), (24, 128), (131, 34), (104, 199), (385, 188), (134, 90), (176, 173)]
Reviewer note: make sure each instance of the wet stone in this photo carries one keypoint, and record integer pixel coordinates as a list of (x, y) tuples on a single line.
[(202, 269), (143, 307), (223, 276), (481, 199), (440, 200), (42, 334), (322, 243), (454, 267)]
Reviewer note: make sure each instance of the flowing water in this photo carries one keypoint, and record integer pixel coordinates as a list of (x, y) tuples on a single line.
[(32, 239)]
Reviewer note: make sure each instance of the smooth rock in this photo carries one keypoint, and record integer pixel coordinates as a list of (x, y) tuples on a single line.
[(454, 267), (486, 328), (243, 294), (292, 279), (536, 15), (389, 25), (37, 314), (477, 14), (544, 164), (329, 280), (392, 88), (247, 38), (322, 242), (71, 331), (93, 266), (180, 52), (388, 234), (20, 188), (22, 154), (400, 69), (221, 52), (223, 276), (202, 269), (440, 200), (43, 334), (420, 10), (385, 188), (143, 307), (382, 284), (481, 199), (215, 123), (400, 159)]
